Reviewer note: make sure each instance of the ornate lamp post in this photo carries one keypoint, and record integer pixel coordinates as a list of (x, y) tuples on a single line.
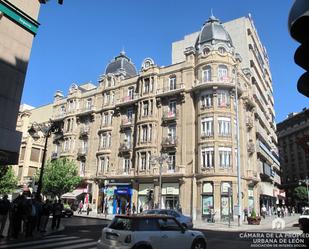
[(160, 159), (46, 129)]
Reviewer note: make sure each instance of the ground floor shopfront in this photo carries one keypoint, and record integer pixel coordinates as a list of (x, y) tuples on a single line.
[(198, 197)]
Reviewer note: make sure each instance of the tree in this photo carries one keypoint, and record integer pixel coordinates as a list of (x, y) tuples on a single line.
[(60, 176), (8, 180), (301, 194)]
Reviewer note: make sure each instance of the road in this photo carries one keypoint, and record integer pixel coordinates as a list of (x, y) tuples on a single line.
[(83, 233)]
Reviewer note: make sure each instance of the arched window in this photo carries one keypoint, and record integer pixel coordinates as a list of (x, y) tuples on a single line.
[(222, 73), (206, 51), (206, 74), (221, 50)]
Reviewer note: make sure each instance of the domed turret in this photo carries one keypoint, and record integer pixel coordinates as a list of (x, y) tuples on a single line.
[(121, 65), (213, 32)]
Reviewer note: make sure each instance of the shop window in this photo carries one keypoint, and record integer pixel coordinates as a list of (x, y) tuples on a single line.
[(207, 199), (170, 196), (250, 198)]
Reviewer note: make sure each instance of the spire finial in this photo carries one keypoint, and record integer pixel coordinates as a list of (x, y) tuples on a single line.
[(122, 51), (211, 13)]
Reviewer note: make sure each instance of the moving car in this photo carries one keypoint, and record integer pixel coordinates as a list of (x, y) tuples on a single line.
[(146, 231), (186, 221)]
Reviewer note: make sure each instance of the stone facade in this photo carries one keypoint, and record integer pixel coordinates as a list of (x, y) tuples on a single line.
[(186, 110), (17, 28), (31, 151)]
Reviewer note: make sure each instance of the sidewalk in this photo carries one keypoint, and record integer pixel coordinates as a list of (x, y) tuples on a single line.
[(266, 224), (35, 234)]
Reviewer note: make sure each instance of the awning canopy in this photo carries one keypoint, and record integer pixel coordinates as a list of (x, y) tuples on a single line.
[(74, 194)]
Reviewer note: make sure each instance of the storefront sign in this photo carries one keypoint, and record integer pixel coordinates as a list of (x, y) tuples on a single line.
[(22, 20), (144, 187), (109, 191), (170, 189)]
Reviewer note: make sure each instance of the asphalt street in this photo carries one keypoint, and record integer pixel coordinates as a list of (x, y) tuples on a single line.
[(83, 233)]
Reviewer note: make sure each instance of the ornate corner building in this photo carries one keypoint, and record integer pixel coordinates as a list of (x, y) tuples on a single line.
[(186, 110)]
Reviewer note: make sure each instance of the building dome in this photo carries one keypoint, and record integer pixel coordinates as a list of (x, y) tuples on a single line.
[(213, 32), (121, 65)]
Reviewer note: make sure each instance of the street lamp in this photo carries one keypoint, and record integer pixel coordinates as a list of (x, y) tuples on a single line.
[(46, 129), (306, 181), (160, 159)]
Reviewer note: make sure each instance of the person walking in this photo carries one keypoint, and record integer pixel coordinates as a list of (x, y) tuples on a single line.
[(57, 212), (88, 208), (4, 210), (46, 211), (128, 208), (264, 211), (133, 209), (80, 207)]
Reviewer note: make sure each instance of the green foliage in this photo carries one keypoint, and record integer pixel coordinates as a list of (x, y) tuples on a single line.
[(253, 214), (8, 180), (60, 176), (301, 194)]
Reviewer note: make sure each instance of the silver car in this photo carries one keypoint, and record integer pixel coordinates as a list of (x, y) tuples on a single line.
[(186, 221)]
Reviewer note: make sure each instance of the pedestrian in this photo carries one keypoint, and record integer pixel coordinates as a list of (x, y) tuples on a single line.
[(29, 216), (57, 212), (133, 209), (264, 211), (80, 207), (128, 208), (4, 210), (106, 209), (278, 211), (88, 208), (46, 211), (38, 206), (16, 216), (293, 211), (282, 211), (141, 208)]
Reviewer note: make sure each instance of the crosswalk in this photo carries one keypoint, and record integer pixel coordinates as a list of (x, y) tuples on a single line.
[(51, 242)]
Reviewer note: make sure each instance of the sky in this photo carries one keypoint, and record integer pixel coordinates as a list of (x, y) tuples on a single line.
[(77, 40)]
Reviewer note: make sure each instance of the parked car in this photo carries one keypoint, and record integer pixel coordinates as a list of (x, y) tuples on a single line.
[(146, 231), (67, 212), (186, 221)]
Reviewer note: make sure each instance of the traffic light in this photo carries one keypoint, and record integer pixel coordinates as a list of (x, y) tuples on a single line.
[(298, 27)]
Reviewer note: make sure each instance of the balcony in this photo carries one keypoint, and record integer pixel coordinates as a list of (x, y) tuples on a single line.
[(104, 150), (84, 132), (82, 152), (205, 135), (66, 153), (169, 142), (58, 116), (127, 100), (169, 116), (54, 155), (225, 81), (86, 110), (126, 123), (170, 90), (169, 170), (125, 147)]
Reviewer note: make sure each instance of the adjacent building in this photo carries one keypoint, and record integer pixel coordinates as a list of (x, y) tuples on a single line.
[(186, 111), (293, 136), (31, 150), (18, 26)]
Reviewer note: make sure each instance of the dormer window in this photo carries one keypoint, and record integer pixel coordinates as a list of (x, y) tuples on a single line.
[(206, 51), (222, 50)]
